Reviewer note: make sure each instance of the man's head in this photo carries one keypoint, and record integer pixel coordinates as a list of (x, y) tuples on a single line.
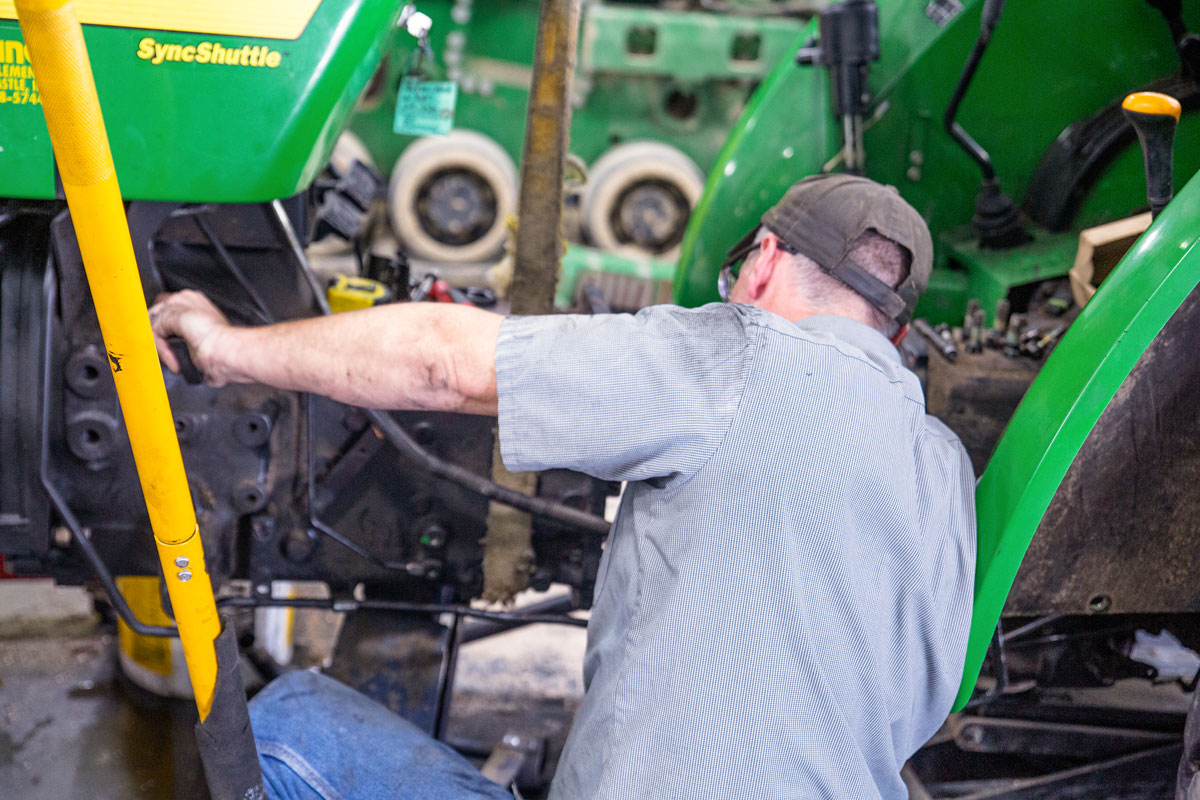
[(836, 244)]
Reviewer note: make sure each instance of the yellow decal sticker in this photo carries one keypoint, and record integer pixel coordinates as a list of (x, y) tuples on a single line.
[(208, 53), (17, 85), (264, 19)]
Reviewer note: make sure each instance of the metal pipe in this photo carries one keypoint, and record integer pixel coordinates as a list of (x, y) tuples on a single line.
[(68, 93), (547, 131), (60, 505), (344, 606), (991, 14), (525, 615), (445, 681), (264, 312)]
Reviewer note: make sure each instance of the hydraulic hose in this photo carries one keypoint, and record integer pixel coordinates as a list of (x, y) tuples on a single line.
[(407, 446)]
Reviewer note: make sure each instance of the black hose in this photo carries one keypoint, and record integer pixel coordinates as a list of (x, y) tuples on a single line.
[(408, 447), (538, 506)]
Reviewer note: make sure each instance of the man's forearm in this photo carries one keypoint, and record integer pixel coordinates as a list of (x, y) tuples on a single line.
[(402, 356)]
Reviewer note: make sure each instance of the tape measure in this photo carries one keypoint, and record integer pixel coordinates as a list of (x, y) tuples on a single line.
[(347, 293)]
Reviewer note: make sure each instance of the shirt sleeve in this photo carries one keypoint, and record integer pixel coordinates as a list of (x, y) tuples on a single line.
[(619, 396)]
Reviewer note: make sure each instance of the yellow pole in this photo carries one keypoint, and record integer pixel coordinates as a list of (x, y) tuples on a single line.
[(68, 95)]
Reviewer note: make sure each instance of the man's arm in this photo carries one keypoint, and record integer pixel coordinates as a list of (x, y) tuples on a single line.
[(426, 356)]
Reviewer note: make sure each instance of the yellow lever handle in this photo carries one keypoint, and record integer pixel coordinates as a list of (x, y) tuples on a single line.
[(72, 108)]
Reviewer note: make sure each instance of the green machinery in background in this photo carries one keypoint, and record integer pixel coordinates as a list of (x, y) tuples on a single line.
[(657, 87), (221, 116), (1043, 104)]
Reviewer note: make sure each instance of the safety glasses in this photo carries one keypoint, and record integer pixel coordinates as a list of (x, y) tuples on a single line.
[(737, 256)]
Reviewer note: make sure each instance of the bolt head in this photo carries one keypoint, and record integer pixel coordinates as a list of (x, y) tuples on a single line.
[(184, 576), (181, 561)]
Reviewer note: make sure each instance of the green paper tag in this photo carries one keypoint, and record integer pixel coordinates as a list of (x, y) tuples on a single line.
[(425, 108)]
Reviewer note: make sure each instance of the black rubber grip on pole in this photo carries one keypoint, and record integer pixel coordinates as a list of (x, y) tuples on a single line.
[(225, 739), (187, 367)]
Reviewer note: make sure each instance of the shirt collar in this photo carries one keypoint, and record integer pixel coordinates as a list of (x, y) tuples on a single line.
[(864, 337)]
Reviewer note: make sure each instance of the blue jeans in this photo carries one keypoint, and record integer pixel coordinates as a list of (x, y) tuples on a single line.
[(320, 740)]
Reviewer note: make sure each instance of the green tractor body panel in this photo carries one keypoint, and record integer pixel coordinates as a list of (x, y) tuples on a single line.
[(1063, 404), (185, 125), (643, 74), (1033, 82)]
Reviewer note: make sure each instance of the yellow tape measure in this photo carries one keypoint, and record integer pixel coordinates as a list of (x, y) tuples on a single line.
[(346, 293)]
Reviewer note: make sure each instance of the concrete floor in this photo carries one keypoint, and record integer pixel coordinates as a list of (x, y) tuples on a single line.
[(71, 726)]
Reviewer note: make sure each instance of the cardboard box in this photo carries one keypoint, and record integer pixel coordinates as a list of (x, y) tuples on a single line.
[(1100, 249)]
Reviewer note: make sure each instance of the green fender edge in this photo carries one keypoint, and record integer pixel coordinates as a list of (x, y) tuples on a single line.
[(1063, 404)]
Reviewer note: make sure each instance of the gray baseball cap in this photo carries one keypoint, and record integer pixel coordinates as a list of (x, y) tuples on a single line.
[(823, 215)]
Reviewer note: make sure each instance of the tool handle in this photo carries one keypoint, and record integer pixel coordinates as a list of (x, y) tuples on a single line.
[(187, 367), (1154, 117)]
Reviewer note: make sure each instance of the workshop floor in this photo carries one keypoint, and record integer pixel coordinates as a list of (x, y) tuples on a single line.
[(72, 726)]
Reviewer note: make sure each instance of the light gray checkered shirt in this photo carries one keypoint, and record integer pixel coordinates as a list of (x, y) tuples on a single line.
[(782, 607)]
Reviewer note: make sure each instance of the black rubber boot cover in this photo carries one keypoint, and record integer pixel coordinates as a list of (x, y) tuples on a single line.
[(225, 738)]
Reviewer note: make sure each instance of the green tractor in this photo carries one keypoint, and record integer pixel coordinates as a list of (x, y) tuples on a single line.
[(1004, 129), (656, 89)]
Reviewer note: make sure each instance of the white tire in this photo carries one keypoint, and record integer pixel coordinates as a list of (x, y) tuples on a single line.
[(639, 197), (449, 197)]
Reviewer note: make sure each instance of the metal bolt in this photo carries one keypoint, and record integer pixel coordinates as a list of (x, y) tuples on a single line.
[(1099, 604), (973, 734), (262, 588), (62, 536), (181, 561), (184, 576)]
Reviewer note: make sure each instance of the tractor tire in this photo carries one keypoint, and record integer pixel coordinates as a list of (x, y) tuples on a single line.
[(449, 197), (639, 197)]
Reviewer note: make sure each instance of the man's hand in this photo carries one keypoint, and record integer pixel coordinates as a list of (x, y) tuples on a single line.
[(191, 316)]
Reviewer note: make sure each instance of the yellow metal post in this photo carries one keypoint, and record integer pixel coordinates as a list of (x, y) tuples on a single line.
[(68, 95)]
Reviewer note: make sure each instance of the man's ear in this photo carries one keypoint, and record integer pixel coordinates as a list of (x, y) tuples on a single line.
[(760, 273), (900, 334)]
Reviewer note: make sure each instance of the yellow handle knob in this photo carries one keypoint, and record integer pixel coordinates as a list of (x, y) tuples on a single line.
[(1153, 103)]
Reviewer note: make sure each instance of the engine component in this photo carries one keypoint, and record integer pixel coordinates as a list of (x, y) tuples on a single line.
[(849, 42), (286, 486)]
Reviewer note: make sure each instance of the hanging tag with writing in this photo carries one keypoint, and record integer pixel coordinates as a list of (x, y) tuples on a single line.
[(424, 107)]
